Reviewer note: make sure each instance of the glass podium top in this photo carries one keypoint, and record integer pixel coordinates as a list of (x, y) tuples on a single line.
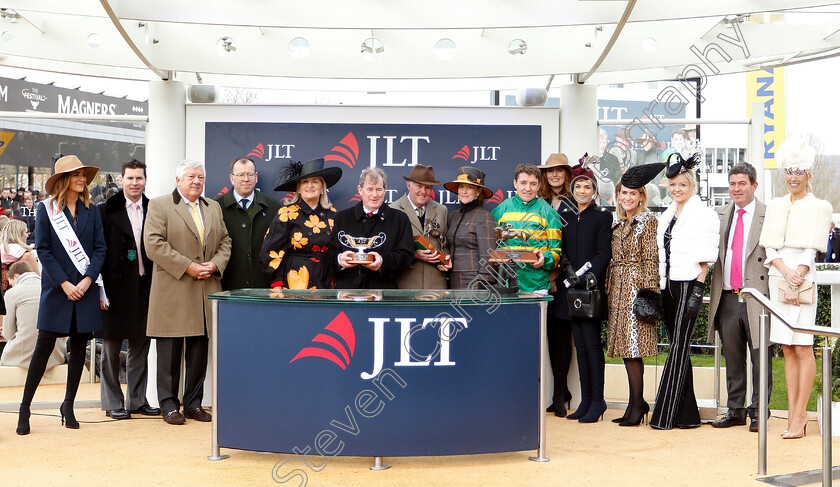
[(377, 297)]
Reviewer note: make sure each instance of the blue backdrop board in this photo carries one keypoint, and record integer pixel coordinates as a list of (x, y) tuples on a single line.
[(396, 148), (334, 377)]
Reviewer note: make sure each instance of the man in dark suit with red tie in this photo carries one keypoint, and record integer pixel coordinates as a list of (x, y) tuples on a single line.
[(740, 264)]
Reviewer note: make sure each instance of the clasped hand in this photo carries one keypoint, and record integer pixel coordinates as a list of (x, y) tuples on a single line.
[(201, 271), (345, 257), (76, 292)]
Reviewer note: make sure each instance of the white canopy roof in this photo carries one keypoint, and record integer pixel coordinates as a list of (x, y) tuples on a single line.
[(247, 42)]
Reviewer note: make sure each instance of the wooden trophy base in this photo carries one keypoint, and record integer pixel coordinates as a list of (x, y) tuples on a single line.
[(422, 243), (524, 256), (362, 258)]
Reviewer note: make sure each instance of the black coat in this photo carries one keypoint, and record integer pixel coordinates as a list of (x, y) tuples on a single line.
[(397, 252), (247, 231), (127, 291), (587, 237)]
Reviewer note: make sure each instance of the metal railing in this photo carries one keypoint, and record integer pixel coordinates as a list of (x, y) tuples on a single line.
[(763, 406)]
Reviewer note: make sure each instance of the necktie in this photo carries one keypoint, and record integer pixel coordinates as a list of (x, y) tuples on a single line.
[(370, 214), (197, 220), (135, 216), (736, 273), (420, 211), (244, 204)]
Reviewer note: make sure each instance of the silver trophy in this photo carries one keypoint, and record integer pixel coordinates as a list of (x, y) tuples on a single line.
[(362, 245)]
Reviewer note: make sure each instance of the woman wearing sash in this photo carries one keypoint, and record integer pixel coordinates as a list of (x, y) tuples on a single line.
[(71, 247)]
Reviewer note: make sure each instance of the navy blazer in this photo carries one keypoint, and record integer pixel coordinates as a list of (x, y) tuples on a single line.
[(56, 311)]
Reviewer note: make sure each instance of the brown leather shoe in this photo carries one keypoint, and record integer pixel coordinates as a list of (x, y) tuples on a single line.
[(174, 417), (198, 414)]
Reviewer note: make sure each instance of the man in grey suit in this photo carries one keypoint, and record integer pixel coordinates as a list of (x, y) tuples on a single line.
[(428, 218), (740, 264)]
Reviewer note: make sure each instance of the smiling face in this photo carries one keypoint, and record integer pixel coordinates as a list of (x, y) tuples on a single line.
[(583, 191), (630, 200), (311, 189), (78, 181), (526, 186), (740, 189), (133, 182), (680, 188), (418, 194), (372, 193), (797, 181), (556, 178), (467, 193), (191, 184)]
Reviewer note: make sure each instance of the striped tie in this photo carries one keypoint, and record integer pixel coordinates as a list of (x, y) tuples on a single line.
[(197, 220)]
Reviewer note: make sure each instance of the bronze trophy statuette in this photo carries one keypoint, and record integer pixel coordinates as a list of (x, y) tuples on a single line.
[(422, 242), (362, 245), (504, 233)]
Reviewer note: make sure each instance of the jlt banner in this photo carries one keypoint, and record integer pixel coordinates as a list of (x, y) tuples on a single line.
[(494, 149)]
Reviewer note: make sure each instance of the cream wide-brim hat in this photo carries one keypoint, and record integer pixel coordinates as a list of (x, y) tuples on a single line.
[(68, 164)]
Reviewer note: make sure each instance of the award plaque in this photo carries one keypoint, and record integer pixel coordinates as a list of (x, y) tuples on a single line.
[(361, 245), (422, 243)]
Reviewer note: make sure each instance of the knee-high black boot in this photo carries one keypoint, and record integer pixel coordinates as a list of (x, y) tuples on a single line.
[(43, 348), (74, 376)]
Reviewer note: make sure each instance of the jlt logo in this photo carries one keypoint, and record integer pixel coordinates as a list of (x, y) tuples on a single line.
[(479, 153), (275, 151), (445, 328)]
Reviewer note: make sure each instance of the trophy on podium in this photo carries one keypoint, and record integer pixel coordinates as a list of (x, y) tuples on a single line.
[(362, 245), (505, 232), (422, 242)]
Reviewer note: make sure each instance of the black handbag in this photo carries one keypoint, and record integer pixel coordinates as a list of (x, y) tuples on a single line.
[(648, 306), (586, 303)]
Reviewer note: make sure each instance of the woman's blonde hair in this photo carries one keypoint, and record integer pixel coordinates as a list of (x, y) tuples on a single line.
[(12, 233), (619, 210), (324, 201), (60, 189), (691, 175)]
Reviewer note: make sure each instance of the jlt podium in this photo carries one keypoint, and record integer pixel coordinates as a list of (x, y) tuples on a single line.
[(378, 373)]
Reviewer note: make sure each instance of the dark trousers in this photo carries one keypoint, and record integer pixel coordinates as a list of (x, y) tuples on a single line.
[(559, 336), (733, 326), (169, 371), (590, 359), (136, 373), (675, 401)]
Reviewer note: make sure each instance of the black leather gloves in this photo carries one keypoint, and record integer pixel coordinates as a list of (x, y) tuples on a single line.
[(695, 299), (567, 272)]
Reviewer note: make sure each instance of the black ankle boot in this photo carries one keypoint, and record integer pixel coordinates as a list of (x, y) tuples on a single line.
[(23, 420), (68, 419)]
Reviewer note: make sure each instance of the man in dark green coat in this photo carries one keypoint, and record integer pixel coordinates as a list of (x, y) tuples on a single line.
[(247, 215)]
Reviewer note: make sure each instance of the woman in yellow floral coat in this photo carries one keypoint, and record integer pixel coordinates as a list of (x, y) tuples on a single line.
[(295, 247)]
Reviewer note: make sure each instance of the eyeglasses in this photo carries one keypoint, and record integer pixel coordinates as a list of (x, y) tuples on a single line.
[(795, 172), (245, 175)]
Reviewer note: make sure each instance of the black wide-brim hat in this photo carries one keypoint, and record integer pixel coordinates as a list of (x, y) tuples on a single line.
[(638, 176), (296, 170), (472, 176)]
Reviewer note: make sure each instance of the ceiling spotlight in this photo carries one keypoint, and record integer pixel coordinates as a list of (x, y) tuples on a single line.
[(372, 49), (517, 47), (94, 40), (649, 44), (445, 49), (299, 48), (6, 36), (225, 47)]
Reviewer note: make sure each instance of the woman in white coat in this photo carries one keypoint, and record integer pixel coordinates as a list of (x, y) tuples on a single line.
[(794, 230), (687, 237)]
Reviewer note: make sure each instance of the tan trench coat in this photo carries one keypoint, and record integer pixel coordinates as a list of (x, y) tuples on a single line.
[(172, 243)]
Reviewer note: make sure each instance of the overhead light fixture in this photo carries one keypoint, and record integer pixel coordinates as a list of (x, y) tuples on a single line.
[(445, 49), (225, 47), (11, 15), (372, 49), (94, 40), (517, 47), (6, 36), (299, 48), (649, 44)]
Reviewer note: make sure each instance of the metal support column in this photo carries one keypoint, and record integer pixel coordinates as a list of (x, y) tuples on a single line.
[(826, 413), (377, 464), (214, 361), (763, 406), (543, 373)]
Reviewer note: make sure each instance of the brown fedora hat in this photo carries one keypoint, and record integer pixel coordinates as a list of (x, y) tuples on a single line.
[(557, 159), (66, 165), (423, 175)]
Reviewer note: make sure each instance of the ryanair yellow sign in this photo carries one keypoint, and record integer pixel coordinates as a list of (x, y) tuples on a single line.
[(768, 87), (5, 140)]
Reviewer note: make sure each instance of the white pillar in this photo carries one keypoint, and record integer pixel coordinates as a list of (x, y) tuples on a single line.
[(165, 135), (578, 121)]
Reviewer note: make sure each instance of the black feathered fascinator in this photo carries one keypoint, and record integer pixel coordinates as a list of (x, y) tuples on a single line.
[(681, 165), (638, 176), (294, 171)]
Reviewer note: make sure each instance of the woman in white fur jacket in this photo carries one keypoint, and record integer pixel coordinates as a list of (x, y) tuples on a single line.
[(794, 229), (687, 236)]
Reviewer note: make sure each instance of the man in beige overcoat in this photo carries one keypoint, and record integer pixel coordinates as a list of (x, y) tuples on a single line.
[(428, 218), (186, 238), (737, 322)]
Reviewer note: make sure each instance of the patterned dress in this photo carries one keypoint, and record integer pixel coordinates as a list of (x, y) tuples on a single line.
[(293, 253), (635, 266)]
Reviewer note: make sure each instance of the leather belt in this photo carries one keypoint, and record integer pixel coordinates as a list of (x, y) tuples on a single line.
[(734, 292)]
